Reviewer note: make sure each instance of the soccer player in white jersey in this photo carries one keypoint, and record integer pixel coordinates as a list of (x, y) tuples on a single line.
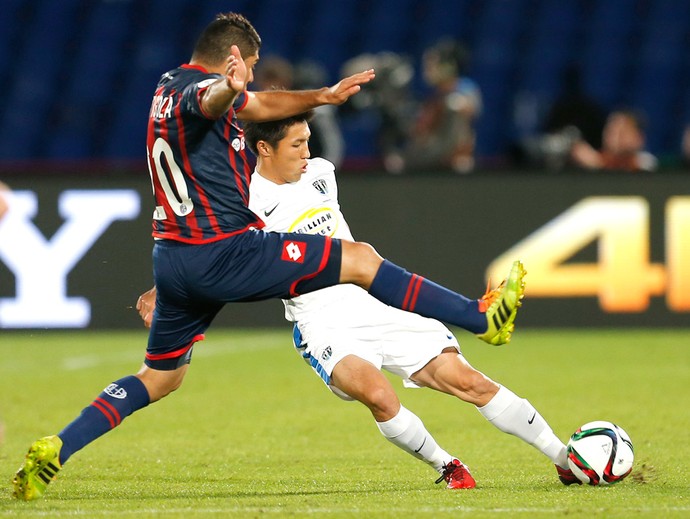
[(347, 336)]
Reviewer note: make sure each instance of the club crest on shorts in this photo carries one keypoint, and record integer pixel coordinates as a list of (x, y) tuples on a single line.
[(294, 251), (327, 353)]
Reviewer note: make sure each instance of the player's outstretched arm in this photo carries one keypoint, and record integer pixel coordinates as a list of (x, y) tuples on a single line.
[(217, 99), (347, 87), (278, 104)]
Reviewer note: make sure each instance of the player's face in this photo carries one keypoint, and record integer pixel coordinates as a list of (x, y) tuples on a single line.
[(291, 153), (250, 63)]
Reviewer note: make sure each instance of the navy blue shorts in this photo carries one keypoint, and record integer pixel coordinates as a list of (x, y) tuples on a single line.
[(194, 282)]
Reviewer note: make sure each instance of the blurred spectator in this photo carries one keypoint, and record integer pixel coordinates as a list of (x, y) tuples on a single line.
[(4, 204), (326, 137), (623, 143), (573, 116), (443, 136), (574, 108), (685, 148), (273, 72), (388, 98)]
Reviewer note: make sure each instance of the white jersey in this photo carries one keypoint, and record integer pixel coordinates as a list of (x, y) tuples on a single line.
[(309, 206), (342, 320)]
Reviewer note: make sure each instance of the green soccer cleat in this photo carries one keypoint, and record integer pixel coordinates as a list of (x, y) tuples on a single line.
[(501, 305), (40, 467)]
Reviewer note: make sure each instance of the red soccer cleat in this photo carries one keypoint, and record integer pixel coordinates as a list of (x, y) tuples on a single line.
[(567, 477), (457, 475)]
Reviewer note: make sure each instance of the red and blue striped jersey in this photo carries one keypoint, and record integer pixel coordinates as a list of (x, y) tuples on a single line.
[(198, 165)]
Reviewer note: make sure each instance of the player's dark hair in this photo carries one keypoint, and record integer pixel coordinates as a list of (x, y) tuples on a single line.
[(213, 46), (272, 132)]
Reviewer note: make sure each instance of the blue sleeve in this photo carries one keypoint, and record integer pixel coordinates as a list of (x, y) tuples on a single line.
[(240, 101)]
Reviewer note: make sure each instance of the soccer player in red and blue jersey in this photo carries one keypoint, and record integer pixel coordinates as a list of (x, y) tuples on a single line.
[(209, 247)]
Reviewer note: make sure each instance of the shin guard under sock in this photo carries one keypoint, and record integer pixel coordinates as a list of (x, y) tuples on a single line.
[(114, 404), (399, 288)]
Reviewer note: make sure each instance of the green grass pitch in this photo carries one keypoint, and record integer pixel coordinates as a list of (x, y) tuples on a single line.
[(254, 433)]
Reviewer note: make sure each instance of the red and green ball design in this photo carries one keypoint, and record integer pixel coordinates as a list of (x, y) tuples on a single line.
[(607, 475)]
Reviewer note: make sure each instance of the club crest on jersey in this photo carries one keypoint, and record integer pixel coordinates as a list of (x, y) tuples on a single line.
[(321, 186), (294, 251), (116, 391), (237, 143)]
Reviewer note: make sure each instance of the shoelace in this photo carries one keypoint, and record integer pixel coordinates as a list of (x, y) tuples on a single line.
[(448, 469), (489, 296)]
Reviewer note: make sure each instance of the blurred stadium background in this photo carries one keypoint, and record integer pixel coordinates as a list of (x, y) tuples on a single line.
[(78, 74), (78, 77)]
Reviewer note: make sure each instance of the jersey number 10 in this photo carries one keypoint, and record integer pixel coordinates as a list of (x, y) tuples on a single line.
[(179, 202)]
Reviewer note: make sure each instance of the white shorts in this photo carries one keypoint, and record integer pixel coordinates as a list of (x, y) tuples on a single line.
[(394, 340)]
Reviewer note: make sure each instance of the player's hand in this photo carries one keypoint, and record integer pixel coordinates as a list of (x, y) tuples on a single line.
[(146, 304), (236, 74), (349, 86), (217, 99)]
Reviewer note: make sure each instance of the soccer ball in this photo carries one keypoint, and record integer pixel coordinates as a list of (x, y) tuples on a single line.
[(600, 453)]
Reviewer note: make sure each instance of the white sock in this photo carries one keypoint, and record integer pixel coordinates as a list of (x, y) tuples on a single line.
[(514, 415), (407, 431)]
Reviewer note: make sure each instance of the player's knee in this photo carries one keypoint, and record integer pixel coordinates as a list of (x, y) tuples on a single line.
[(472, 385), (360, 262), (368, 252), (363, 253), (160, 384), (479, 385), (482, 384), (163, 389), (382, 402)]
